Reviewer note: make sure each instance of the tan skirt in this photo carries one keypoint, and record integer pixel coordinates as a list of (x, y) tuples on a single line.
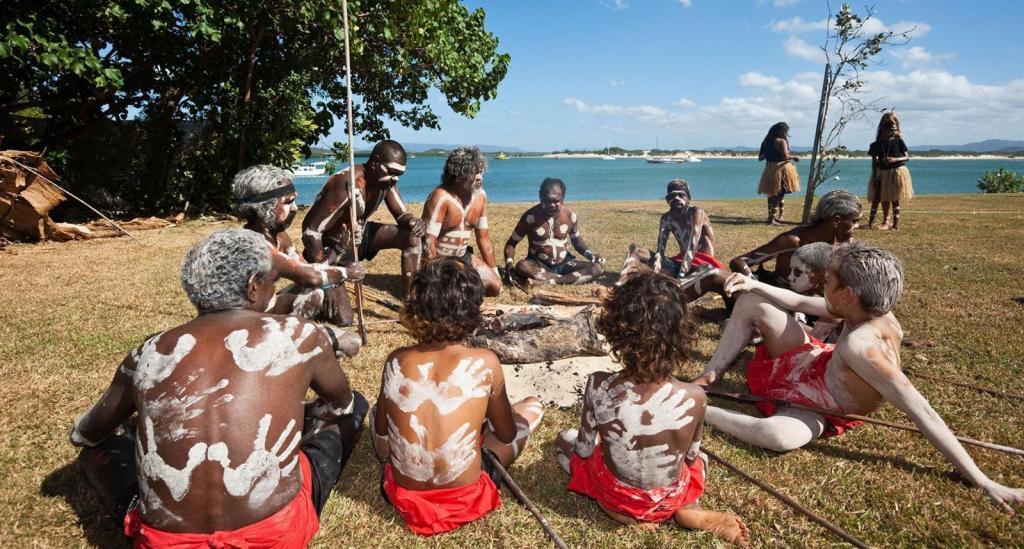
[(779, 177), (895, 186)]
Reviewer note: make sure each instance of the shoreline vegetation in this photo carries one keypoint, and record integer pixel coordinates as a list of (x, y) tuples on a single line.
[(61, 342)]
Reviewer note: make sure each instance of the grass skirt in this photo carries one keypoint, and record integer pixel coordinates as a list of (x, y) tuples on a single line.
[(894, 186), (779, 177)]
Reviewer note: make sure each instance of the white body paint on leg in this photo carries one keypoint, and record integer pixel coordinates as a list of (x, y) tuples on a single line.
[(787, 430), (278, 351)]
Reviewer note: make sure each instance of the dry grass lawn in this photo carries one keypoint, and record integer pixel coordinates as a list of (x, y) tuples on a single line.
[(70, 312)]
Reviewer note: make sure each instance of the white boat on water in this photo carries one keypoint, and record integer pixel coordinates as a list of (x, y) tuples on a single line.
[(685, 157), (310, 170)]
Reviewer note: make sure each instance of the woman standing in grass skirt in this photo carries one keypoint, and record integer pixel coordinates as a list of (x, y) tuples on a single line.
[(890, 179), (779, 177)]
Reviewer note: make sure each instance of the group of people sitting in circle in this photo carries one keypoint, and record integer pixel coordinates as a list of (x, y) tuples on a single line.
[(205, 435)]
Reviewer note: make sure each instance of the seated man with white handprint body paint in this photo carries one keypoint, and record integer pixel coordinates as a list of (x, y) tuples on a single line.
[(637, 451), (224, 450), (443, 408)]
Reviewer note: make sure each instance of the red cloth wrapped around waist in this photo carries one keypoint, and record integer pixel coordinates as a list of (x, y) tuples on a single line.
[(700, 258), (292, 526), (591, 477), (798, 376), (429, 512)]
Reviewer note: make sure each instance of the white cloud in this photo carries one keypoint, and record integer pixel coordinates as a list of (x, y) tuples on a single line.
[(616, 83), (684, 103), (798, 24), (686, 3), (756, 79), (917, 57), (615, 4), (641, 111), (783, 3), (798, 47)]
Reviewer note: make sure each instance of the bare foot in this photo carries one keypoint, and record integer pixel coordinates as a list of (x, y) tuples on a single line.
[(726, 526), (602, 292), (630, 521), (883, 227), (772, 222)]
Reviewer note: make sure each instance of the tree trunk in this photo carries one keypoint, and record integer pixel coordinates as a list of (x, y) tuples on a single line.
[(247, 91), (812, 181)]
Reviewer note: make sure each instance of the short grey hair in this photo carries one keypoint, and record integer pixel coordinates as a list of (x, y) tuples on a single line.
[(463, 162), (815, 255), (216, 272), (837, 202), (256, 180), (875, 276)]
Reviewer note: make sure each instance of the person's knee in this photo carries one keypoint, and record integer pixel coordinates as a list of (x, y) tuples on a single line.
[(781, 440), (492, 287), (360, 407)]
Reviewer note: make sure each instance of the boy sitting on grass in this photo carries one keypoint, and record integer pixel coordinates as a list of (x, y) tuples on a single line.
[(637, 451), (428, 425)]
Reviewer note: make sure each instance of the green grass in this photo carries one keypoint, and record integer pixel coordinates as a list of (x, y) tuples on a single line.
[(69, 312)]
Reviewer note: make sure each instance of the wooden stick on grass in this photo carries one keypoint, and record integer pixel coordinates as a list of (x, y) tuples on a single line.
[(521, 496), (790, 502), (993, 392), (353, 218), (854, 417)]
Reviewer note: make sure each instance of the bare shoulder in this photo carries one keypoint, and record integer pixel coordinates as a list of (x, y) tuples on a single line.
[(878, 341), (692, 390)]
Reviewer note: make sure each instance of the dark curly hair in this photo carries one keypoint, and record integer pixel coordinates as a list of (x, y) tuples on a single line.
[(444, 302), (648, 326)]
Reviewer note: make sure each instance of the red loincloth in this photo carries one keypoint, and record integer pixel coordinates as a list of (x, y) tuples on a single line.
[(701, 258), (292, 526), (591, 477), (429, 512), (798, 376)]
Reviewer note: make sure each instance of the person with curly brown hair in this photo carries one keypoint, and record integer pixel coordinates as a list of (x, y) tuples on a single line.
[(890, 179), (428, 425), (637, 451)]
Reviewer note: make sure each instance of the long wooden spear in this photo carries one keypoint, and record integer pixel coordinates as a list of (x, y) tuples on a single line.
[(521, 496), (790, 502), (353, 217), (916, 373), (855, 417)]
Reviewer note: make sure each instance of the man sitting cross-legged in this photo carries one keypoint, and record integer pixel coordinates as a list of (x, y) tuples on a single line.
[(856, 375), (456, 206), (550, 226), (327, 234), (835, 218), (443, 406), (695, 265), (219, 455), (637, 451), (265, 200)]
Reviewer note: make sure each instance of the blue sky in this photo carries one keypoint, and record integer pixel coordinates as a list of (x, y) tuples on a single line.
[(707, 73)]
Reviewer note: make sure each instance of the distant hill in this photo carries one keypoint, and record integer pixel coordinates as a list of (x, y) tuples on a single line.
[(986, 146)]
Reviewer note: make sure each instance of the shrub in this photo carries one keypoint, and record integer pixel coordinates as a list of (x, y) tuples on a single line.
[(1001, 181)]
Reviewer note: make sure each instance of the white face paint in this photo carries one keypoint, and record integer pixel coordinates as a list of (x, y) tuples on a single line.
[(171, 411), (278, 351), (470, 379), (439, 466), (799, 277), (152, 366), (619, 410), (262, 470)]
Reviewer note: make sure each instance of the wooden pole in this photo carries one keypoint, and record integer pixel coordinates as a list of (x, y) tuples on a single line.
[(790, 502), (353, 217), (854, 417), (521, 496), (819, 128), (915, 373)]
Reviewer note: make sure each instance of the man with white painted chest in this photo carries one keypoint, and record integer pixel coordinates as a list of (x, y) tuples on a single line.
[(224, 451), (327, 234), (550, 227)]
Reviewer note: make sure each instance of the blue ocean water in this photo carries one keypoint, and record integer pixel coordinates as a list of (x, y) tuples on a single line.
[(518, 179)]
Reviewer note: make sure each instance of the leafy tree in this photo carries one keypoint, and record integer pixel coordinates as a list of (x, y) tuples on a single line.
[(849, 51), (1001, 181), (158, 103)]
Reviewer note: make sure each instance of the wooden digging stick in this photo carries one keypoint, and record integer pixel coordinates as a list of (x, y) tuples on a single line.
[(353, 218), (521, 496), (854, 417), (790, 502)]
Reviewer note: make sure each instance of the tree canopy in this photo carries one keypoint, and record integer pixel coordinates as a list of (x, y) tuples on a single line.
[(153, 104)]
